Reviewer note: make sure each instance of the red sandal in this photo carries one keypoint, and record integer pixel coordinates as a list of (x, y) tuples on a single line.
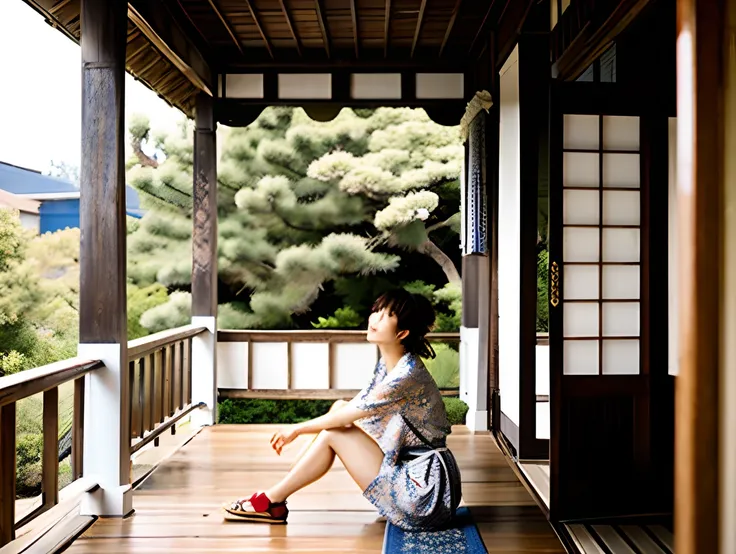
[(258, 508)]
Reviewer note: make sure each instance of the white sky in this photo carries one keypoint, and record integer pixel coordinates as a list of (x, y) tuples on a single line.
[(40, 92)]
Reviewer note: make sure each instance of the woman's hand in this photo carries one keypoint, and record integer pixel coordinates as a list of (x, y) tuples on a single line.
[(284, 437)]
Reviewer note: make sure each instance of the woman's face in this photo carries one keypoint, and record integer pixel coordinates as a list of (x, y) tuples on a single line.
[(382, 328)]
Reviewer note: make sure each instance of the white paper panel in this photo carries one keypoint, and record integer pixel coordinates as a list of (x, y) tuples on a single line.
[(621, 245), (620, 282), (580, 282), (375, 85), (620, 133), (269, 365), (620, 319), (581, 207), (354, 365), (580, 244), (305, 85), (580, 169), (621, 357), (440, 85), (581, 132), (310, 365), (245, 85), (621, 207), (581, 357), (621, 170), (581, 319), (232, 365)]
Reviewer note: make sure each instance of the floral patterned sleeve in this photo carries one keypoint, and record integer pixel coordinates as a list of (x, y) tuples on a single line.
[(384, 396)]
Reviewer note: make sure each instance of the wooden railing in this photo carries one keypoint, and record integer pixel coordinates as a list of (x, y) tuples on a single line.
[(14, 388), (160, 370), (293, 365)]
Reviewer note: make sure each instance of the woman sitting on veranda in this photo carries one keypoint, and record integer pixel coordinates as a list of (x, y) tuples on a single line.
[(396, 451)]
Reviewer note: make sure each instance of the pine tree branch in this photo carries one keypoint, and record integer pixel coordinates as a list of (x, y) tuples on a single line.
[(433, 251), (143, 158), (446, 223)]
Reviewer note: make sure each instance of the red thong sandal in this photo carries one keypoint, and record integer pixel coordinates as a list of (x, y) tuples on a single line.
[(258, 508)]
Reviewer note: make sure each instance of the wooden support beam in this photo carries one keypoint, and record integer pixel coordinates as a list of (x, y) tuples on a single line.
[(706, 133), (418, 30), (322, 26), (291, 26), (102, 301), (154, 20), (356, 33), (102, 296), (386, 28), (257, 22), (450, 25), (227, 26), (204, 233)]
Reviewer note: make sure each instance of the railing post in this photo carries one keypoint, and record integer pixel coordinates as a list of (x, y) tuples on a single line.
[(102, 298), (204, 263)]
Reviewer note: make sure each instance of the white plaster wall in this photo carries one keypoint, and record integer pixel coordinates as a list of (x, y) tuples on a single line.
[(509, 270), (232, 365), (354, 365), (270, 365), (310, 365)]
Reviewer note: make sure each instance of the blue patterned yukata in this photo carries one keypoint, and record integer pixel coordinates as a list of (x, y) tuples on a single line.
[(411, 494)]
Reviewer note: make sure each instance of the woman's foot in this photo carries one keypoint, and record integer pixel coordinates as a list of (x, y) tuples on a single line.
[(258, 508)]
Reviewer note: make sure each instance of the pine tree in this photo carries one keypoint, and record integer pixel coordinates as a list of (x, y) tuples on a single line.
[(300, 204)]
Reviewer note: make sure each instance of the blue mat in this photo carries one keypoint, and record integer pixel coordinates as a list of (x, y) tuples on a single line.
[(461, 537)]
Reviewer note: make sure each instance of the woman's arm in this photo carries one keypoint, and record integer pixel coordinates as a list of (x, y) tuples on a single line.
[(337, 418)]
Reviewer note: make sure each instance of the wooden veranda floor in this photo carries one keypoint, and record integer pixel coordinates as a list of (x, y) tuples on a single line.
[(178, 506)]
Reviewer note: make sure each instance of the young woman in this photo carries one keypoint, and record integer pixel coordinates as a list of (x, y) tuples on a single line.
[(390, 437)]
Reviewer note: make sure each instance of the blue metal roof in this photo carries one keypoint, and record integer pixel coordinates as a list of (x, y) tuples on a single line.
[(19, 180), (25, 181)]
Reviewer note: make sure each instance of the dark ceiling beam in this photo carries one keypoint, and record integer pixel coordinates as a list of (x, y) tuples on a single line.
[(291, 26), (509, 28), (591, 40), (56, 8), (354, 16), (322, 26), (386, 28), (257, 22), (483, 25), (418, 30), (450, 25), (193, 24), (155, 22), (226, 24)]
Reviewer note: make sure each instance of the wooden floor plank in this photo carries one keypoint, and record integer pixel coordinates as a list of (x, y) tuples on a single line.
[(178, 506)]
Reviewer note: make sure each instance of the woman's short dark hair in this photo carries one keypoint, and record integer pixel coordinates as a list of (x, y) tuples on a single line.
[(415, 314)]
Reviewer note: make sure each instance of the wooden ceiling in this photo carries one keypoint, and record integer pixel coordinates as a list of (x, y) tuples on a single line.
[(177, 47)]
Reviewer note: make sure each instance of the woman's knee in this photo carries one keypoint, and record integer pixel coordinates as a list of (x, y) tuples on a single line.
[(337, 405)]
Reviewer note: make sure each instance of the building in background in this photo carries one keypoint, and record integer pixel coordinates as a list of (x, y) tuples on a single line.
[(56, 201)]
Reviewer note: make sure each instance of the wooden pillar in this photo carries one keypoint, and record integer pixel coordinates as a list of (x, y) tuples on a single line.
[(102, 298), (706, 137), (204, 261)]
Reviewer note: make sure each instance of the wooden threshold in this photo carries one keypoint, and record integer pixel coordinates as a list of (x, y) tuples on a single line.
[(537, 475)]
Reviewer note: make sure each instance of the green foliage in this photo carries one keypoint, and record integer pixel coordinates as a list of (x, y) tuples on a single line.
[(344, 318), (456, 410), (302, 205), (445, 367), (271, 411), (239, 411), (12, 240), (140, 300), (12, 362), (543, 291)]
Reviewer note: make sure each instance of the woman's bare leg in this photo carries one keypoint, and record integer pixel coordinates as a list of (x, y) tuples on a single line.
[(335, 406), (358, 452)]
